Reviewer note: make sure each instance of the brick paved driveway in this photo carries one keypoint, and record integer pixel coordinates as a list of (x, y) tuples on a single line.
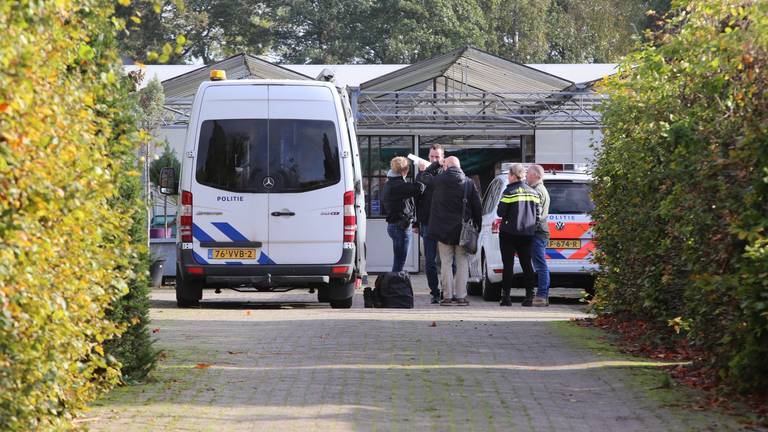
[(298, 366)]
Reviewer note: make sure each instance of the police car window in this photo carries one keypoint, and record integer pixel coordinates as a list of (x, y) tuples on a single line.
[(303, 155), (231, 154), (491, 197), (569, 197)]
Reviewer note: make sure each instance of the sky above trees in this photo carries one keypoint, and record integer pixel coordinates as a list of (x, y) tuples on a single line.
[(389, 31)]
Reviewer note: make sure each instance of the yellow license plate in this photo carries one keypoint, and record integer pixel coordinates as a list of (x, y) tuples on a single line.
[(232, 253), (564, 244)]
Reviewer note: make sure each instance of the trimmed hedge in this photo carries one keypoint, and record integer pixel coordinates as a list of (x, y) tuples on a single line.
[(67, 166), (681, 185)]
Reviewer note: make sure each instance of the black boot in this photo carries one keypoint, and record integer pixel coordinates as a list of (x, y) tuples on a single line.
[(505, 299), (528, 298)]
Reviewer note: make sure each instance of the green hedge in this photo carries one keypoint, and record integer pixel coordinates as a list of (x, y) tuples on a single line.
[(67, 156), (682, 185)]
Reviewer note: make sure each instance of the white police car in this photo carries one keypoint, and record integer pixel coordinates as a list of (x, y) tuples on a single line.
[(570, 247)]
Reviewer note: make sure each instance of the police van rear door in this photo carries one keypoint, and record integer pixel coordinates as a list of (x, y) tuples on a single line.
[(306, 214)]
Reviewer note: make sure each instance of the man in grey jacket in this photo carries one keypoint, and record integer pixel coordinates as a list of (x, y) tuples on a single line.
[(534, 178)]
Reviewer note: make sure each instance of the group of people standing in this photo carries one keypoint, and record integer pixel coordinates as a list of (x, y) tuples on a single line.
[(441, 199)]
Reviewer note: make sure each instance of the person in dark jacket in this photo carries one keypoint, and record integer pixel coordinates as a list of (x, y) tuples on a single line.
[(519, 210), (398, 200), (423, 207), (455, 199)]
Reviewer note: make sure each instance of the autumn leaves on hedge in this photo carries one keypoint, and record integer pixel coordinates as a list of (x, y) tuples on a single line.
[(67, 155), (681, 185)]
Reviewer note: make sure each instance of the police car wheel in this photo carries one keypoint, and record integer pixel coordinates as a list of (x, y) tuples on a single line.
[(489, 290), (341, 304), (475, 288)]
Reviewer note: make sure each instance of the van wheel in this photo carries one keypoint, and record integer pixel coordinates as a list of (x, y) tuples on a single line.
[(341, 304), (188, 293), (490, 291), (322, 296)]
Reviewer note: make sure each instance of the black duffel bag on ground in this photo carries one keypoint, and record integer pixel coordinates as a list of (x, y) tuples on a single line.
[(393, 290)]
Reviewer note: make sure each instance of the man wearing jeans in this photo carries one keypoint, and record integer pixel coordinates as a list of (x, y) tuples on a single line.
[(541, 237), (436, 154)]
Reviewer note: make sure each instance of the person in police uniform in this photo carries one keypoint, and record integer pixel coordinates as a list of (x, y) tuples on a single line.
[(519, 210)]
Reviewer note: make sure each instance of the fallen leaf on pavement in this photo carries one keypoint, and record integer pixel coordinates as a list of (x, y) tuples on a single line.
[(155, 330), (202, 365), (434, 324), (235, 352)]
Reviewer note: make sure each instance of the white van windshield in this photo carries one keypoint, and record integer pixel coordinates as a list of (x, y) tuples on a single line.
[(568, 197), (238, 155)]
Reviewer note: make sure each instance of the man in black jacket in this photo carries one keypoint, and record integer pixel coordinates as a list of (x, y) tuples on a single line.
[(397, 198), (423, 207), (519, 210), (455, 199)]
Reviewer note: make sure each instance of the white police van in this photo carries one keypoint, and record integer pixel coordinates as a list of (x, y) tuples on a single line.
[(569, 252), (271, 191)]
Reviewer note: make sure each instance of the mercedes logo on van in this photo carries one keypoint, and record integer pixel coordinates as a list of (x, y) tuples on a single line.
[(560, 225), (268, 182)]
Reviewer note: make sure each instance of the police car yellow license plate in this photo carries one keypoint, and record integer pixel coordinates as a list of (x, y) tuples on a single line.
[(231, 253), (564, 244)]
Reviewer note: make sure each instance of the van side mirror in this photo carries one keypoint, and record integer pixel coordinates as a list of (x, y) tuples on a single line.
[(168, 185)]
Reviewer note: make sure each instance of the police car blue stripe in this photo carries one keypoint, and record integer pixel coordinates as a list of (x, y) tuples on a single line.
[(232, 262), (229, 231), (198, 258), (199, 234), (554, 254)]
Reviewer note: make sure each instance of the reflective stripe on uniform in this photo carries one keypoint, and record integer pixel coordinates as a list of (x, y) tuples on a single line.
[(520, 197)]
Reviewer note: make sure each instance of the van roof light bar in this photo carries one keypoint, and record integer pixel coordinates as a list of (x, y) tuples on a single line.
[(218, 75)]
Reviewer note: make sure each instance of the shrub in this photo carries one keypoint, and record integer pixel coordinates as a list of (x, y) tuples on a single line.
[(66, 157), (681, 185)]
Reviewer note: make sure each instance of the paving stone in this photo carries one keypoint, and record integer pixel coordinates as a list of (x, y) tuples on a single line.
[(282, 362)]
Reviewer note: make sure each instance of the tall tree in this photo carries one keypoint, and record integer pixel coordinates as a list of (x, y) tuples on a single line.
[(320, 31), (389, 31), (406, 31), (210, 29)]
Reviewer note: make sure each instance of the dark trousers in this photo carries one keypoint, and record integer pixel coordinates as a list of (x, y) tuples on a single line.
[(430, 260), (509, 245)]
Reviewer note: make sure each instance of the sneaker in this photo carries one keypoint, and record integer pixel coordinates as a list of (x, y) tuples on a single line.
[(446, 302), (435, 299), (527, 302), (540, 302), (462, 302)]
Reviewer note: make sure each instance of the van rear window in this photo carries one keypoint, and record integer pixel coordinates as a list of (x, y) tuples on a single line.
[(569, 197), (238, 155)]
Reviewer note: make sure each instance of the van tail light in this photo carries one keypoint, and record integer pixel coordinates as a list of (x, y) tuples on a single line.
[(350, 220), (496, 226), (339, 269), (185, 217)]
